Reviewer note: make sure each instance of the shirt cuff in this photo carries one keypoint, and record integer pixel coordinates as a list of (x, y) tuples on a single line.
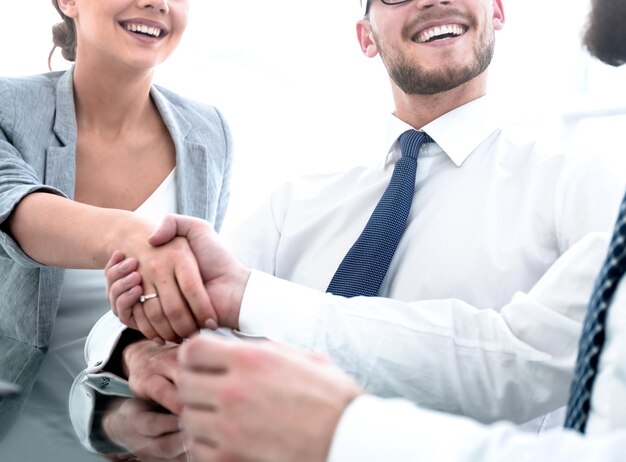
[(366, 434), (281, 310), (99, 347)]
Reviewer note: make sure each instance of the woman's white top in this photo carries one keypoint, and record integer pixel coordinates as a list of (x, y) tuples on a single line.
[(44, 424)]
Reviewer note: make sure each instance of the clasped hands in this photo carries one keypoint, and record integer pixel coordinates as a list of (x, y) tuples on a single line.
[(234, 400), (192, 295)]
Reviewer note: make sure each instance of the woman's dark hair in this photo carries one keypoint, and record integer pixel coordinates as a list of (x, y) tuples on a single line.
[(63, 36)]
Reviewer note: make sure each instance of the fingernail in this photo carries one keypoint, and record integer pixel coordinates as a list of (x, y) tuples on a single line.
[(158, 341), (124, 266), (211, 324)]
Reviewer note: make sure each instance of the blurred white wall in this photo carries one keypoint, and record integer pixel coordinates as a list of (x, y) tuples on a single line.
[(299, 96)]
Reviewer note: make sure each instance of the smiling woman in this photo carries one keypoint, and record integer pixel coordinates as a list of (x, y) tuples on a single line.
[(107, 157)]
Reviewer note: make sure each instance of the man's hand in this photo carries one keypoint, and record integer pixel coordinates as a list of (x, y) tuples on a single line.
[(171, 272), (259, 402), (223, 276), (151, 370), (145, 431)]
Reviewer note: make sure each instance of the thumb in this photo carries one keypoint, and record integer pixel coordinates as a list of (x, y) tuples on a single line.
[(167, 231), (177, 225)]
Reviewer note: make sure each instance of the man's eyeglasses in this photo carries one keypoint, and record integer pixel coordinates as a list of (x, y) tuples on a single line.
[(366, 4)]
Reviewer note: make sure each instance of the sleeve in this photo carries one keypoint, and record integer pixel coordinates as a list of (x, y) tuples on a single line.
[(255, 241), (513, 363), (226, 174), (372, 429), (587, 199), (99, 347), (17, 180)]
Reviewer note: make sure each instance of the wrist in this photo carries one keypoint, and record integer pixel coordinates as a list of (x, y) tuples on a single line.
[(125, 232), (124, 351), (352, 392), (238, 284)]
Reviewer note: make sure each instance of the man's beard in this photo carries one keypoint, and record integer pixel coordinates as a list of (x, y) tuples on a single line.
[(605, 37), (413, 79)]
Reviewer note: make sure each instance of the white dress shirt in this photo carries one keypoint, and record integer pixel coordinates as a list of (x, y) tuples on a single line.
[(468, 326), (373, 429), (397, 430), (464, 323)]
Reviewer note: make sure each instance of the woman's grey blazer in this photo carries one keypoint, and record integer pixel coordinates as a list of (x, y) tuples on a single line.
[(38, 154)]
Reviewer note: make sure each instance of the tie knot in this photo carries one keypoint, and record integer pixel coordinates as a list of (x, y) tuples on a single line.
[(411, 141)]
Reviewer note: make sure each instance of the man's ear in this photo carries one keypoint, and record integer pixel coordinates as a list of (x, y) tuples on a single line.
[(366, 41), (68, 7), (498, 15)]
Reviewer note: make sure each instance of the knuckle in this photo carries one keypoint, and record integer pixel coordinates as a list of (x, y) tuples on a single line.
[(153, 265), (154, 391), (176, 311), (249, 358), (189, 286), (231, 394), (193, 349), (137, 387), (145, 328), (155, 316)]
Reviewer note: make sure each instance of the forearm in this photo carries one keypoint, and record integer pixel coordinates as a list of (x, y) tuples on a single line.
[(515, 363), (59, 232), (441, 354), (373, 429)]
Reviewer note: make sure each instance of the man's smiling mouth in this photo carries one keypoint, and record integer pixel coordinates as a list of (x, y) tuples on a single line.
[(442, 32)]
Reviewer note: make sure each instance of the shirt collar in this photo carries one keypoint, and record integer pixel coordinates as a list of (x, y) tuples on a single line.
[(458, 132)]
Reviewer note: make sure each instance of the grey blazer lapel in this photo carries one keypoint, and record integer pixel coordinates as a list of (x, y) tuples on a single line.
[(191, 159), (61, 159)]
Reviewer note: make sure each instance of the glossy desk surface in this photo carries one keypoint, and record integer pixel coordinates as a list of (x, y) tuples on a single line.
[(135, 430)]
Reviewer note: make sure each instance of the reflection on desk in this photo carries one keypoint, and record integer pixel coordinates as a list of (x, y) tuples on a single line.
[(126, 429), (131, 426), (43, 431)]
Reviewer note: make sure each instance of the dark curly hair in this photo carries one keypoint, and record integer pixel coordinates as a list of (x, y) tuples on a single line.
[(63, 36), (605, 36)]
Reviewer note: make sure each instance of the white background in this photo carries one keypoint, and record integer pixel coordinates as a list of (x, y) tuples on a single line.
[(300, 97)]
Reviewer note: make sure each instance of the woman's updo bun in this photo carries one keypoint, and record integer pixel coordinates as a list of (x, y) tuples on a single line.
[(63, 36)]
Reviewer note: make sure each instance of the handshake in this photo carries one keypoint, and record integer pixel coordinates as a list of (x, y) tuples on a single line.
[(233, 400), (188, 281)]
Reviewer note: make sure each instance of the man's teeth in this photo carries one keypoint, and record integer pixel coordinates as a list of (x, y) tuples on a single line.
[(153, 31), (439, 31)]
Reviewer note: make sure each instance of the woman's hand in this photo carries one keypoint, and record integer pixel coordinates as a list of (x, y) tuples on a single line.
[(223, 276), (181, 305)]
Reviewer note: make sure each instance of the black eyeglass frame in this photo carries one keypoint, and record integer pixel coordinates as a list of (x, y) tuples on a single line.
[(386, 2)]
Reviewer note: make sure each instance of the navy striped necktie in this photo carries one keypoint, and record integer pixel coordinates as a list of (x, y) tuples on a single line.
[(363, 268), (592, 338)]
